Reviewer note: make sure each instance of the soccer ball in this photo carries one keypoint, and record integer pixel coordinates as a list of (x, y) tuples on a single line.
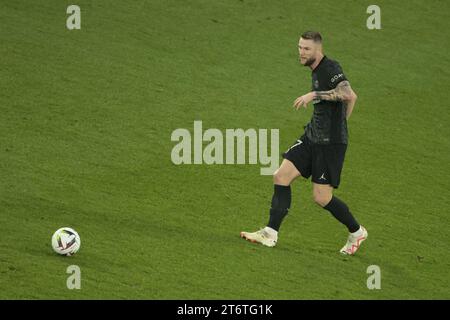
[(66, 241)]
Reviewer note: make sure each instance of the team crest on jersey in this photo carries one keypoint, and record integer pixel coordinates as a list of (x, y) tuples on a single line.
[(316, 84)]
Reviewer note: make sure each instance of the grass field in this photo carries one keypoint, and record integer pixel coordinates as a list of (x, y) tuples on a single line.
[(85, 126)]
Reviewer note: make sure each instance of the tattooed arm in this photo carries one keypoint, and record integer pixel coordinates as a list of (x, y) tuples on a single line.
[(343, 92), (350, 103)]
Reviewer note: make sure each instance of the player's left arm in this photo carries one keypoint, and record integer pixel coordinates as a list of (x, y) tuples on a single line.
[(343, 92), (350, 101)]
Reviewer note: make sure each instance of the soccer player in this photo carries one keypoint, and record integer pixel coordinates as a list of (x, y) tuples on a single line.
[(319, 153)]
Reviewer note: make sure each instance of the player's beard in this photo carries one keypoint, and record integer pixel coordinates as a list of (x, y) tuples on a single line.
[(309, 62)]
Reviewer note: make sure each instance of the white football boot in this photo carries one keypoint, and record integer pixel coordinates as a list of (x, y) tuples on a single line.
[(266, 236), (354, 241)]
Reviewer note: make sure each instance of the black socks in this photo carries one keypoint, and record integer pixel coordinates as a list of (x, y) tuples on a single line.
[(281, 202), (341, 212)]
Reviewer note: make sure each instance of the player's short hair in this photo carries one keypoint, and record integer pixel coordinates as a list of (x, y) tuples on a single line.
[(312, 35)]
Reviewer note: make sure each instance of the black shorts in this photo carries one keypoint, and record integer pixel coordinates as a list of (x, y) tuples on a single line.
[(323, 163)]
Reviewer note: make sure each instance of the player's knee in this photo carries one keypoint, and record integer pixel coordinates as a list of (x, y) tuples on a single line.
[(280, 178), (321, 199)]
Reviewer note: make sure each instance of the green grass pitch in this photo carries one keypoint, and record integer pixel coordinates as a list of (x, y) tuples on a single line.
[(86, 118)]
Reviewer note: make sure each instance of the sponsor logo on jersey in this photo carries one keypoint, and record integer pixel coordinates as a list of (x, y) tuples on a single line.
[(340, 75)]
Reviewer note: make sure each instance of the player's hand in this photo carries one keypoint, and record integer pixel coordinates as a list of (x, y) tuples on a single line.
[(303, 100)]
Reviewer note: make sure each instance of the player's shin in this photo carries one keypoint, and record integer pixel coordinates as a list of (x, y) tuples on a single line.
[(342, 213), (281, 202)]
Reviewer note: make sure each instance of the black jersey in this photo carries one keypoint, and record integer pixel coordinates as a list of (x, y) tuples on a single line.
[(328, 124)]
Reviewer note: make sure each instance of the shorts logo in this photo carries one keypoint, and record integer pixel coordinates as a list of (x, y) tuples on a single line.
[(322, 177)]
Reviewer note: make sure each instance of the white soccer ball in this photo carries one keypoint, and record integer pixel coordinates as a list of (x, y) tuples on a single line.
[(66, 241)]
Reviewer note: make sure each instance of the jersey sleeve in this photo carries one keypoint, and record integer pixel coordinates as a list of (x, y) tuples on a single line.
[(335, 75)]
